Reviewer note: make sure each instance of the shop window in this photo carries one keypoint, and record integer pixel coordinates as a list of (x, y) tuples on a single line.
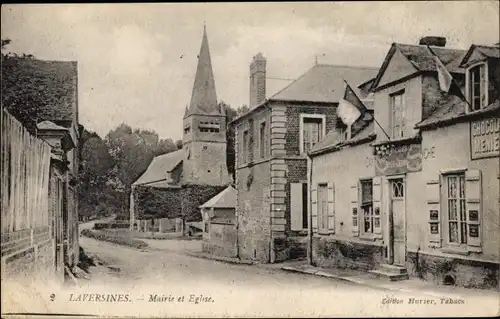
[(455, 208), (367, 206)]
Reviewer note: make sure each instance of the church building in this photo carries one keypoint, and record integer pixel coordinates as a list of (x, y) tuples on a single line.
[(177, 183)]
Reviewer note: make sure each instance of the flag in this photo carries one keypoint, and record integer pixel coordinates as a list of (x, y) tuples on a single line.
[(350, 107), (446, 81), (444, 77)]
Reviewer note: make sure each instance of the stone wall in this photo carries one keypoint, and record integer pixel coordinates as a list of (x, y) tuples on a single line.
[(448, 270), (221, 240), (253, 213), (329, 252)]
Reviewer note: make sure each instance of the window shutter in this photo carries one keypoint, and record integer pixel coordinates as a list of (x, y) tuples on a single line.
[(331, 207), (473, 208), (354, 209), (433, 211), (296, 206), (314, 208), (377, 199), (484, 87)]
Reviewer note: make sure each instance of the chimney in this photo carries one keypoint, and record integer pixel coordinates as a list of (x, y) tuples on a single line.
[(257, 80), (434, 41)]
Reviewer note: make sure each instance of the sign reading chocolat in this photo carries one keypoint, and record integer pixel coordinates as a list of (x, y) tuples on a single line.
[(400, 159)]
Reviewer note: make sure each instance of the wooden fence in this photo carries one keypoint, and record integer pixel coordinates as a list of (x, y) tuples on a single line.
[(25, 229)]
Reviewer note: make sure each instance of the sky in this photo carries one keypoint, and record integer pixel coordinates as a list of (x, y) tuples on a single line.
[(136, 62)]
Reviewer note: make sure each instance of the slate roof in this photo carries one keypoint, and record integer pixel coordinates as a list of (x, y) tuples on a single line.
[(454, 109), (159, 167), (333, 139), (324, 83), (225, 199), (36, 90), (423, 59), (487, 51)]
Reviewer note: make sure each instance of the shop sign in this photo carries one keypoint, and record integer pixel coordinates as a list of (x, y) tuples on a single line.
[(485, 138), (399, 159)]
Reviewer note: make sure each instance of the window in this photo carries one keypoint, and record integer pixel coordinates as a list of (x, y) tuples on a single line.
[(398, 110), (245, 146), (455, 208), (313, 129), (477, 86), (187, 129), (342, 129), (367, 205), (262, 139), (298, 206)]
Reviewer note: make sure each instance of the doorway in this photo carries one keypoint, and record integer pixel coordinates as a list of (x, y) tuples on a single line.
[(397, 215)]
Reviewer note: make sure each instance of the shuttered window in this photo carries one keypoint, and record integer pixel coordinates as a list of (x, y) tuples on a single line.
[(458, 195), (354, 209)]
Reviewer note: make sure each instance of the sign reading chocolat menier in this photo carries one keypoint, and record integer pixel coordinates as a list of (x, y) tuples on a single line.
[(401, 159), (485, 138)]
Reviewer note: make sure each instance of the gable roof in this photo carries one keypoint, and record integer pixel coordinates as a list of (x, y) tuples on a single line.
[(159, 167), (423, 59), (225, 199), (36, 90), (324, 83), (486, 51)]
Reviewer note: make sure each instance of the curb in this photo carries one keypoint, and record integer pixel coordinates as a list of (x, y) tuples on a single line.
[(220, 259)]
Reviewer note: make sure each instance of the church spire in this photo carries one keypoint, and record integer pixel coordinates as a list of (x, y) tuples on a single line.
[(204, 97)]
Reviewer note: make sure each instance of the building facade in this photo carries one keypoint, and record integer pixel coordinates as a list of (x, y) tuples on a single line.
[(424, 192), (271, 142)]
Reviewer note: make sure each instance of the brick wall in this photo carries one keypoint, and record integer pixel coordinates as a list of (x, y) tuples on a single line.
[(293, 123)]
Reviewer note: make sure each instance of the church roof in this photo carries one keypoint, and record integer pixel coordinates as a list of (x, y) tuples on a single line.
[(159, 167), (225, 199), (204, 97)]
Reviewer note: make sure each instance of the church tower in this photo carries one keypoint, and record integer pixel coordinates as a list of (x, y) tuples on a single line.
[(204, 139)]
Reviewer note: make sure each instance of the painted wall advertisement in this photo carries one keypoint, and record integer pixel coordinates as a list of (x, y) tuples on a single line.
[(485, 138), (399, 159)]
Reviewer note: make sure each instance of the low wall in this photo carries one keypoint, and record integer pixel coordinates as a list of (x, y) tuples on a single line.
[(28, 253), (329, 252), (463, 272)]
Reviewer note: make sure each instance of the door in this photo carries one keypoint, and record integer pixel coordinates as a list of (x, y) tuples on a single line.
[(398, 225)]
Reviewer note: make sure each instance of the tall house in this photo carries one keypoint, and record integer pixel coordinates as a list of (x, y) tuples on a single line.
[(204, 122)]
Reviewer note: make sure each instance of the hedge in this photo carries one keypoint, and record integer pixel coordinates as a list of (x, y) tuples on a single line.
[(114, 238), (113, 224)]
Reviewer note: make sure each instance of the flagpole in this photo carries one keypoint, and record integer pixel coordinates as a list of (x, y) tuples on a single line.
[(367, 109), (452, 78)]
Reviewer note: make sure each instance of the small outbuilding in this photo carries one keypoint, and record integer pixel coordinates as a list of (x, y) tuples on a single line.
[(219, 233)]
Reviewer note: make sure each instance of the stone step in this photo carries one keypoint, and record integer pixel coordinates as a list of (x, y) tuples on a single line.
[(393, 269), (379, 273)]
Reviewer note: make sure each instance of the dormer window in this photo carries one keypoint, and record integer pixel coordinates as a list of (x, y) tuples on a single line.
[(477, 86)]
